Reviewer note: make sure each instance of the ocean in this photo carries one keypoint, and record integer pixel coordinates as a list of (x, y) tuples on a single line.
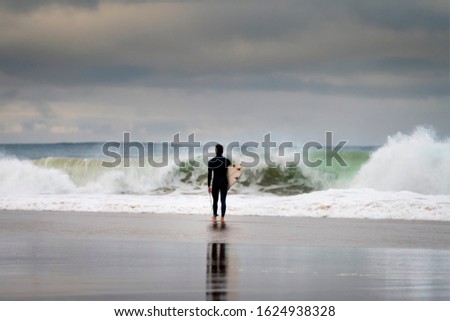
[(406, 178)]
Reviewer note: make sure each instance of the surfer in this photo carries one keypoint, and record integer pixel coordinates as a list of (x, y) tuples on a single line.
[(217, 172)]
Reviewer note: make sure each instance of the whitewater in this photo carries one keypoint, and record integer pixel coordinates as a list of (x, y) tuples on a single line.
[(407, 178)]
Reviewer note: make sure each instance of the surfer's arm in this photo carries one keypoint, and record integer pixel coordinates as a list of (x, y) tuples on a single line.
[(209, 176), (228, 163)]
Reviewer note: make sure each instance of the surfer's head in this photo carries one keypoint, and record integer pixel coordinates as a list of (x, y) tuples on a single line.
[(219, 150)]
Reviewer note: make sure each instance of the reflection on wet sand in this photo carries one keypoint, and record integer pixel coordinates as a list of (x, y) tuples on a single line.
[(216, 272)]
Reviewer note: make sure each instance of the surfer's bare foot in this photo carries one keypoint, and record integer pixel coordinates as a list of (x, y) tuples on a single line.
[(213, 218), (222, 219)]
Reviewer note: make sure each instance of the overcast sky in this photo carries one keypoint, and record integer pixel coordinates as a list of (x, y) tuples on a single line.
[(89, 70)]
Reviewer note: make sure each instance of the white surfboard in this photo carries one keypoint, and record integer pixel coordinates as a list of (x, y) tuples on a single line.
[(233, 173)]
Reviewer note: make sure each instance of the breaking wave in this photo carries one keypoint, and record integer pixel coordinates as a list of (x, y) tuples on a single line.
[(418, 163)]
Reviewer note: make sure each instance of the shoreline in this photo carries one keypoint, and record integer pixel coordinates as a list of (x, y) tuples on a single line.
[(309, 231), (129, 256)]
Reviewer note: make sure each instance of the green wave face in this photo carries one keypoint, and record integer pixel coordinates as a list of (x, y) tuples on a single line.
[(279, 180)]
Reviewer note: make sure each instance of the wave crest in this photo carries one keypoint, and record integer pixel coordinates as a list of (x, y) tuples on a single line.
[(418, 163)]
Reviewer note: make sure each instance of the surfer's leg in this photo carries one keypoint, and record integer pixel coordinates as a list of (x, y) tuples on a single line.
[(223, 197), (215, 196)]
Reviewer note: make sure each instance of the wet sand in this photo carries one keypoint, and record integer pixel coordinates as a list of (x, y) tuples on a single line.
[(110, 256)]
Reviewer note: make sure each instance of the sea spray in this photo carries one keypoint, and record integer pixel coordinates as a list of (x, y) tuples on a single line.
[(86, 175), (69, 179), (19, 177), (418, 162)]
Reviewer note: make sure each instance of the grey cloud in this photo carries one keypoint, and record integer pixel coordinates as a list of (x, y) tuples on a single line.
[(159, 114), (29, 5), (223, 39), (401, 14)]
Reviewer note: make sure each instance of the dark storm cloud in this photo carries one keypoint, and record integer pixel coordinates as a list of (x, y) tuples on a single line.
[(87, 70), (229, 44), (401, 14), (29, 5)]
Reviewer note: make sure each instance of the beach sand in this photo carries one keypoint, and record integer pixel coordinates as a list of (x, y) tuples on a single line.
[(123, 256)]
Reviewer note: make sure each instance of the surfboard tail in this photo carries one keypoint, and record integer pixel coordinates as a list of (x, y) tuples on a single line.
[(234, 173)]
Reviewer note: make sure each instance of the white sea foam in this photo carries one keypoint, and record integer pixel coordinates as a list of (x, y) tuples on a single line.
[(334, 203), (22, 177), (418, 163), (407, 178)]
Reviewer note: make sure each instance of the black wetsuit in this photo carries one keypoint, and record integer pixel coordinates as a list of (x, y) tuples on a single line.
[(218, 165)]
